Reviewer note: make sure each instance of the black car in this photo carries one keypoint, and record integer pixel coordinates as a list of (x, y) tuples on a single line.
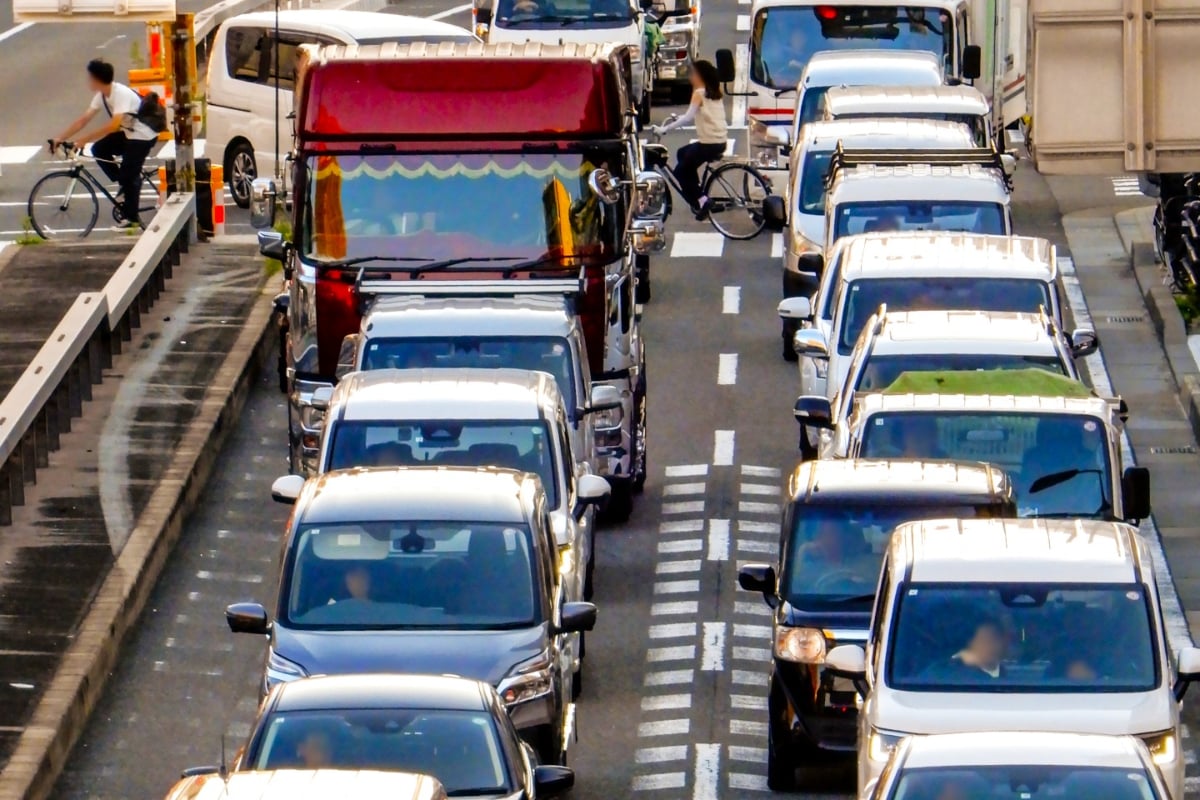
[(432, 570), (835, 530), (454, 729)]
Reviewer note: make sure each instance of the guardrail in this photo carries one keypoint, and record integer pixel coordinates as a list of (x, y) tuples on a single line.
[(52, 389)]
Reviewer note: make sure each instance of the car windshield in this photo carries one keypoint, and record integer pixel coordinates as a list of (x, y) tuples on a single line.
[(784, 38), (811, 106), (411, 575), (1058, 463), (881, 371), (523, 445), (412, 207), (851, 218), (863, 297), (1023, 782), (835, 550), (535, 353), (460, 748), (1022, 638), (812, 181), (543, 14)]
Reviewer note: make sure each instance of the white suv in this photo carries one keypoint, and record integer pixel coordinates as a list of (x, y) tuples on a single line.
[(1017, 625)]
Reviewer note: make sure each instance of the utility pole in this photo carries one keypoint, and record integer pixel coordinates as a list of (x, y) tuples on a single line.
[(183, 52)]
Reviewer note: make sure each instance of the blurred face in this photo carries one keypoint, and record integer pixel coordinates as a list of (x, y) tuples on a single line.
[(695, 79), (93, 84), (315, 751), (987, 645), (1080, 671), (952, 791), (829, 539), (358, 583)]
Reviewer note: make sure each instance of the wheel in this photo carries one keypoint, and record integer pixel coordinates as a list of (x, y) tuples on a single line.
[(547, 743), (641, 269), (240, 172), (589, 575), (63, 205), (781, 767), (620, 500), (789, 346), (808, 450), (735, 196)]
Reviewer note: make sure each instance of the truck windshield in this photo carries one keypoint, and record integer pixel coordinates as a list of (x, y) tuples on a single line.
[(863, 297), (449, 206), (784, 38), (552, 14), (1022, 782), (882, 371), (1058, 463), (835, 549), (963, 217), (511, 444), (536, 353), (1004, 637), (402, 575)]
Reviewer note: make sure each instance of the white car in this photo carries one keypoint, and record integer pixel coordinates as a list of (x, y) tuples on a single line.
[(240, 110), (1018, 625), (1070, 766), (960, 103)]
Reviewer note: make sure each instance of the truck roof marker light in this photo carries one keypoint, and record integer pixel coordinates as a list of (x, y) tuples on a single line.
[(827, 12)]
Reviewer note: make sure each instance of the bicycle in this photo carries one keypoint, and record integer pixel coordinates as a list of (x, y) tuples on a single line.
[(67, 198), (735, 189)]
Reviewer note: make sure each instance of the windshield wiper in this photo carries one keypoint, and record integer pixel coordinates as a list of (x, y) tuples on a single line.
[(436, 266), (542, 261), (350, 262), (482, 791), (855, 598), (1056, 478), (562, 20)]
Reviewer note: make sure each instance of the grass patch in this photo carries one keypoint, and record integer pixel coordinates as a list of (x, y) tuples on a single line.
[(28, 234), (1188, 304)]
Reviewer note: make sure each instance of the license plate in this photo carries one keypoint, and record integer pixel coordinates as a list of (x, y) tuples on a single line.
[(666, 72)]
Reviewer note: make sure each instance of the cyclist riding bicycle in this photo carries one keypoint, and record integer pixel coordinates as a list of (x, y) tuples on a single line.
[(712, 133), (122, 135)]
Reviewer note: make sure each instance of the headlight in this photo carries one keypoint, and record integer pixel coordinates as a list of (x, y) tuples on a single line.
[(635, 52), (566, 560), (311, 418), (801, 645), (1161, 747), (609, 418), (530, 679), (282, 670), (764, 151), (882, 744), (674, 41)]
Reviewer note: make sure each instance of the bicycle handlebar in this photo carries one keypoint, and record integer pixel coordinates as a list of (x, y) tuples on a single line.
[(69, 149)]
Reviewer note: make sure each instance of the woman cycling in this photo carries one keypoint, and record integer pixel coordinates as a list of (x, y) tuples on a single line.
[(712, 133)]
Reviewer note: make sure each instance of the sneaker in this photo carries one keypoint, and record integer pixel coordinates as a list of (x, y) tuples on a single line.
[(127, 224), (702, 211)]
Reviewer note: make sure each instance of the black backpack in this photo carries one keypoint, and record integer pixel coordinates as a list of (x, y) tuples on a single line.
[(151, 113)]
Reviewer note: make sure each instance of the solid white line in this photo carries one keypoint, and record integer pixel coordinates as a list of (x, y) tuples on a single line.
[(686, 507), (663, 727), (657, 755), (712, 653), (681, 546), (727, 369), (744, 727), (673, 630), (450, 12), (723, 445), (664, 780), (706, 776), (13, 31), (670, 677), (686, 470), (776, 245), (718, 540), (760, 489), (754, 526), (677, 567), (731, 300), (741, 81), (747, 507), (759, 472), (755, 755), (682, 653), (746, 677), (683, 488), (678, 608), (751, 654), (743, 22), (748, 702), (676, 587), (681, 526), (748, 783), (662, 702), (754, 546), (751, 631)]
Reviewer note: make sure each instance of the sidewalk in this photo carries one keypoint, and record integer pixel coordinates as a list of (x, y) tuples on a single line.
[(130, 467)]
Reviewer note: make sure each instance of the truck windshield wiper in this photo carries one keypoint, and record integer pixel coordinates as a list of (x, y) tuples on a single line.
[(350, 262), (1056, 478), (542, 261), (562, 20), (436, 266)]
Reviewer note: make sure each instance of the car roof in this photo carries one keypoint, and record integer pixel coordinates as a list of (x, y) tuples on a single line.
[(354, 25), (897, 480), (893, 133), (934, 182), (459, 316), (920, 254), (414, 394), (384, 494), (999, 332), (885, 101), (1018, 550), (850, 67), (302, 784), (1022, 748), (374, 691)]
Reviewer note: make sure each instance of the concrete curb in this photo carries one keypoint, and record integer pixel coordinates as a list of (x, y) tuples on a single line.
[(79, 682)]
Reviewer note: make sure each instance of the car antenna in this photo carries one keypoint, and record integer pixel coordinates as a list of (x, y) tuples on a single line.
[(223, 769)]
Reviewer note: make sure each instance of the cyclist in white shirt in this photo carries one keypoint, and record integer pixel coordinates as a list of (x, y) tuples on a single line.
[(707, 110), (122, 134)]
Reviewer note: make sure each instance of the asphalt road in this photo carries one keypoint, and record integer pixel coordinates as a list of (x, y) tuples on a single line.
[(674, 698)]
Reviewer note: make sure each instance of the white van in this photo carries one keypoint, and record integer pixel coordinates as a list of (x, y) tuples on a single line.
[(961, 103), (240, 93), (1018, 625)]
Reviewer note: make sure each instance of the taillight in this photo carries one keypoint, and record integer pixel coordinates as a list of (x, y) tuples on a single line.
[(592, 311), (337, 310), (827, 12)]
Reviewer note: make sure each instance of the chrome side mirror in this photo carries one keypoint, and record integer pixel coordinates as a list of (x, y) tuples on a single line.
[(605, 185), (1084, 342), (651, 196), (263, 194), (646, 236)]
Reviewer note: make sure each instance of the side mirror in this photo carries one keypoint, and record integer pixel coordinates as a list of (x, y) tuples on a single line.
[(775, 212), (321, 397), (247, 618), (759, 578), (810, 342), (590, 490), (272, 245), (346, 356), (651, 196), (604, 398), (263, 194), (847, 661), (1189, 670), (1008, 162), (577, 617), (812, 263), (1135, 493), (1084, 342), (287, 489), (814, 411), (726, 68), (192, 772), (795, 308), (972, 62), (605, 185), (647, 5), (483, 15), (550, 780)]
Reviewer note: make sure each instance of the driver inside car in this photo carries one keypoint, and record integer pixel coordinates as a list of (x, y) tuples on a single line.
[(839, 549)]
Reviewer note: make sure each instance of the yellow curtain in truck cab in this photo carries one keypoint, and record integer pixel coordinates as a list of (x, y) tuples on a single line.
[(557, 204), (329, 224)]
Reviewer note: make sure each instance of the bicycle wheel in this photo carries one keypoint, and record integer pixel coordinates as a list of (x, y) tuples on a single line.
[(735, 196), (63, 205)]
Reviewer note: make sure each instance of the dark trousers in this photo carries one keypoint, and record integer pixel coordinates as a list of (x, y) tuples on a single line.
[(688, 160), (128, 174)]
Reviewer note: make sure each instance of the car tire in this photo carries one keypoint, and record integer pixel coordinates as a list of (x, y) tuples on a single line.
[(641, 270), (547, 744), (789, 348), (589, 577), (781, 767), (620, 500), (808, 450), (240, 171)]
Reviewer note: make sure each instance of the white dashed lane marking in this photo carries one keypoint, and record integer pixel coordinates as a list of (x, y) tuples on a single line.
[(727, 366), (723, 448), (731, 300)]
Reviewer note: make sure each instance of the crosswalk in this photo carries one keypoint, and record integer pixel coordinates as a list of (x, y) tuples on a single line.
[(11, 155)]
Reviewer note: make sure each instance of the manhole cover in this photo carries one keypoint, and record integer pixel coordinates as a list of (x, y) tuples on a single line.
[(1185, 450), (1126, 319)]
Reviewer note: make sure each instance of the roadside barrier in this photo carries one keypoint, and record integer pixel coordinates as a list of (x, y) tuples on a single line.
[(52, 389)]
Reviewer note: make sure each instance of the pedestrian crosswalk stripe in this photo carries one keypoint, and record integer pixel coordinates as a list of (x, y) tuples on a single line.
[(697, 245), (19, 154)]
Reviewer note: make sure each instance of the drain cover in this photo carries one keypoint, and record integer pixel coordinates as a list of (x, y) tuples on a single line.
[(1126, 320), (1185, 450)]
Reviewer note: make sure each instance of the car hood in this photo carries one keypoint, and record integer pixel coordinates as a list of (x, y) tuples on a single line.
[(944, 712), (482, 655)]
